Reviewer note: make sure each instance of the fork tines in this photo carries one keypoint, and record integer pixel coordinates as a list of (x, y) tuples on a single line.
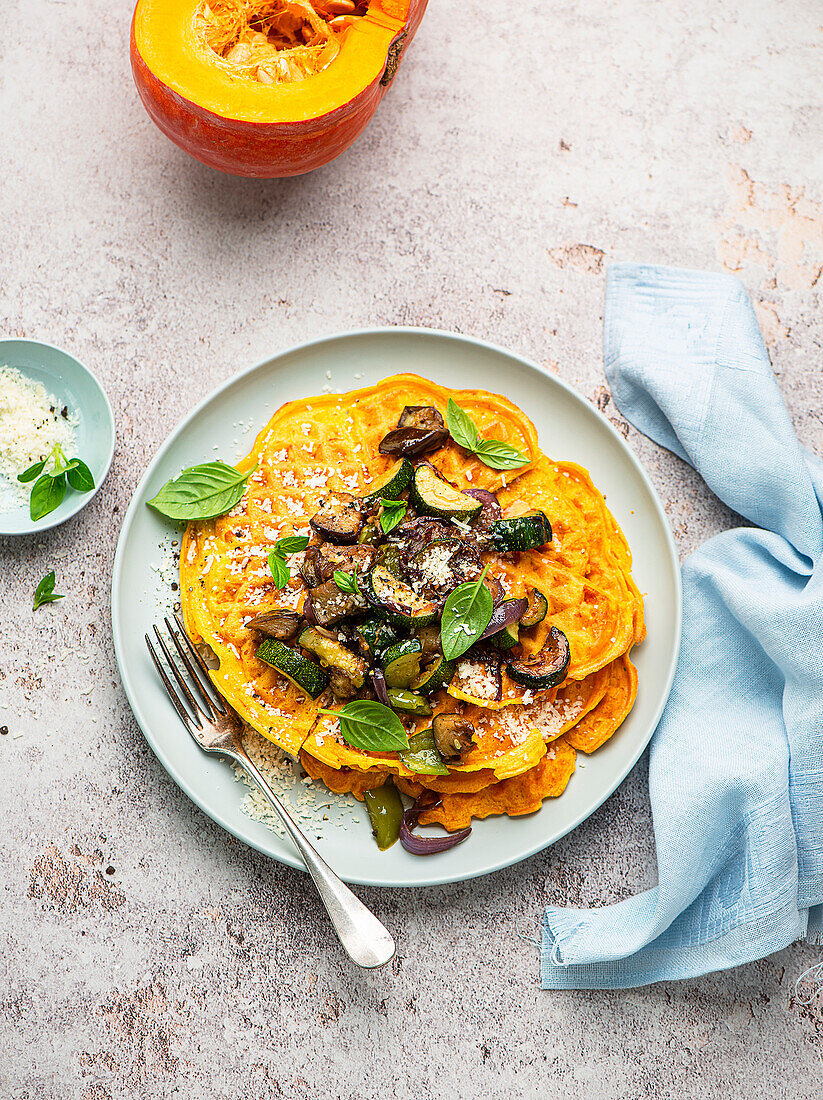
[(206, 703)]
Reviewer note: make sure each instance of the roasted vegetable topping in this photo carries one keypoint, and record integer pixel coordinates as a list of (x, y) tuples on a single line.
[(339, 519), (527, 532), (422, 416), (281, 623), (401, 663), (347, 671), (442, 565), (395, 601), (385, 808), (419, 430), (433, 495), (329, 605), (452, 735), (546, 668), (536, 609), (302, 672), (394, 482)]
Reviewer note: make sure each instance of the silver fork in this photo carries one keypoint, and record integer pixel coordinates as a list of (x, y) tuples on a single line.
[(216, 728)]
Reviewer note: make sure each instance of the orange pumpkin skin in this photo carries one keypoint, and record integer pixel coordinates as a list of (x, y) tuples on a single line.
[(259, 149)]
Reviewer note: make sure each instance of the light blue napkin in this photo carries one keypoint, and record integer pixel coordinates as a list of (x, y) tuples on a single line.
[(736, 764)]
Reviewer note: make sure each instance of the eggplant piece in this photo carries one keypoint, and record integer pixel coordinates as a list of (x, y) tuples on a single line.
[(281, 623), (544, 669), (411, 442), (422, 416), (340, 519), (441, 566), (452, 735), (329, 605), (330, 558), (308, 568), (410, 537)]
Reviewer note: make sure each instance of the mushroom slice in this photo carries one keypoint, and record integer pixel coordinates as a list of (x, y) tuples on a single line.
[(281, 623), (452, 735)]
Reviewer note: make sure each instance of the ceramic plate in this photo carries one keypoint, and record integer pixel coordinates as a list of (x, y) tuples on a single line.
[(225, 424), (71, 384)]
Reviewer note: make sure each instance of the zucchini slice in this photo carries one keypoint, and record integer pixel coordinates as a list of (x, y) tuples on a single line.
[(394, 482), (434, 676), (536, 610), (395, 601), (506, 638), (333, 655), (401, 663), (302, 672), (408, 701), (526, 532), (375, 635), (546, 668), (433, 495)]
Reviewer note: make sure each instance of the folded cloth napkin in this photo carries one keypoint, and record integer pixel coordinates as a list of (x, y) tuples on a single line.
[(736, 763)]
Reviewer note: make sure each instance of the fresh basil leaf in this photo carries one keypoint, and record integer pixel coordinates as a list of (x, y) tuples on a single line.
[(462, 428), (499, 455), (80, 476), (47, 494), (279, 570), (466, 615), (44, 593), (32, 472), (201, 492), (346, 582), (292, 544), (370, 726), (391, 514)]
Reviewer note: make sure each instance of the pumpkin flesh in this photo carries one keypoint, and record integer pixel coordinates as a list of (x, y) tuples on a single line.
[(265, 87)]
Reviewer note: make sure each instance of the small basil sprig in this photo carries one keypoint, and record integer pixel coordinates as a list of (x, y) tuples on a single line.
[(466, 615), (201, 492), (346, 582), (370, 726), (492, 452), (44, 592), (391, 513), (291, 544), (49, 489)]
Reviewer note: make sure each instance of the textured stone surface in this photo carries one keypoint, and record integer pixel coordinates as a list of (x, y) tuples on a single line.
[(144, 952)]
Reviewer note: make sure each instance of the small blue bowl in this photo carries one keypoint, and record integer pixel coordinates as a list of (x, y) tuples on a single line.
[(73, 385)]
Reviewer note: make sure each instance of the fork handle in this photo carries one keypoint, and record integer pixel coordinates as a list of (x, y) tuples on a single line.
[(363, 937)]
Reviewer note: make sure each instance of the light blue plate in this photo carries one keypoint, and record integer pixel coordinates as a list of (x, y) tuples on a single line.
[(569, 428), (73, 385)]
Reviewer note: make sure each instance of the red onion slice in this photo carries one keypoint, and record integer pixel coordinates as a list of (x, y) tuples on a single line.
[(426, 845), (378, 680), (506, 613), (491, 505), (308, 610)]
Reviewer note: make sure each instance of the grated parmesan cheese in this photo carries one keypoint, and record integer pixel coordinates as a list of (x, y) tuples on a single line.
[(32, 423)]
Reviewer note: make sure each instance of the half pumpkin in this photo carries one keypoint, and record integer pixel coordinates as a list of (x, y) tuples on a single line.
[(267, 88)]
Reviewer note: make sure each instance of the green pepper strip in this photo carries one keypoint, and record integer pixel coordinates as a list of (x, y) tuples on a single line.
[(385, 808), (422, 755)]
